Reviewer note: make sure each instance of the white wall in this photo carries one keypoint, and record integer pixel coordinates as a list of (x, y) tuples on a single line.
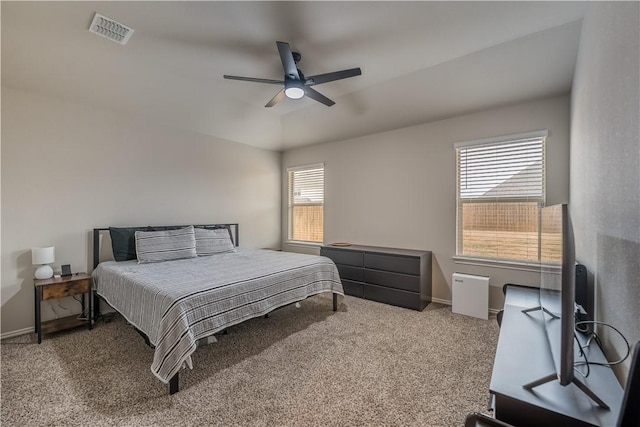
[(67, 168), (398, 188), (605, 165)]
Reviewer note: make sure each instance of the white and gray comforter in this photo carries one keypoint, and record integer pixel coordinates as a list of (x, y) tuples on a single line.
[(176, 303)]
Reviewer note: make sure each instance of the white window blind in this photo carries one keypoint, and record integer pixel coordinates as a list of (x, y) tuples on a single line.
[(306, 203), (500, 188)]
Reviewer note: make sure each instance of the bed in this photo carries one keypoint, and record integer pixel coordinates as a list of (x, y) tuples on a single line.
[(177, 302)]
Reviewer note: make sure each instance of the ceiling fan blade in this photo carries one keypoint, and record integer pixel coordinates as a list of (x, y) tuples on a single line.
[(314, 94), (279, 97), (288, 64), (329, 77), (253, 79)]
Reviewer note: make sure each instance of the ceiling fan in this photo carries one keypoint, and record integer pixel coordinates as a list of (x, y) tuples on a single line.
[(296, 85)]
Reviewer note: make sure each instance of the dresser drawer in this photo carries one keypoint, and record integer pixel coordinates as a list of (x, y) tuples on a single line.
[(394, 297), (353, 288), (393, 280), (398, 264), (65, 289), (351, 273), (344, 257)]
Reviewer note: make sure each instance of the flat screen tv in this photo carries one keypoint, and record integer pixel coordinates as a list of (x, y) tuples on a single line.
[(558, 295)]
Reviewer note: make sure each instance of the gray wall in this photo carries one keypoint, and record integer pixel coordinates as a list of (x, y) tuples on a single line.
[(67, 168), (605, 165), (398, 188)]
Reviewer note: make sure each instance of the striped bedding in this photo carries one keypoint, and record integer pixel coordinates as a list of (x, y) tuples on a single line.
[(175, 303)]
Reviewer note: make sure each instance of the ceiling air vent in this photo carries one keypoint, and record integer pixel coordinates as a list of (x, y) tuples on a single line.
[(110, 29)]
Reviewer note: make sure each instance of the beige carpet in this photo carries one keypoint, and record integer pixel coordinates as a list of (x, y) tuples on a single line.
[(368, 364)]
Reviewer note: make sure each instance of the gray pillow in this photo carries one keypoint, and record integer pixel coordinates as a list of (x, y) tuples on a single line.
[(123, 243), (213, 241), (166, 245)]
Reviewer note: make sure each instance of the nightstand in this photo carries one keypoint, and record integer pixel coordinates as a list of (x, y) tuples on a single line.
[(59, 287)]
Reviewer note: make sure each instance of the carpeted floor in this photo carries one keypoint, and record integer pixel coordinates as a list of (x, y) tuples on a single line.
[(368, 364)]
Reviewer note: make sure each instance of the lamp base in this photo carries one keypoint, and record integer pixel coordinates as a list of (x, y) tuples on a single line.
[(44, 272)]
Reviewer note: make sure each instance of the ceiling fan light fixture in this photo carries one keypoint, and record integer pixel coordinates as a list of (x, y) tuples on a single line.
[(294, 92), (296, 85)]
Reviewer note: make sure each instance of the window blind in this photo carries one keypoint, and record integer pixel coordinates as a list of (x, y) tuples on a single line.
[(500, 187), (508, 170), (306, 203)]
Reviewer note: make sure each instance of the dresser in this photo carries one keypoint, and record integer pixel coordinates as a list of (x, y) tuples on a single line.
[(399, 277)]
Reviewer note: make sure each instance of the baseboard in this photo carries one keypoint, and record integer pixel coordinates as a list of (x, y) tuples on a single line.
[(441, 301), (17, 333), (447, 302)]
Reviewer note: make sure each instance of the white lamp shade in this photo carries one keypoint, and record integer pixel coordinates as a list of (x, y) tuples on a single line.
[(40, 256)]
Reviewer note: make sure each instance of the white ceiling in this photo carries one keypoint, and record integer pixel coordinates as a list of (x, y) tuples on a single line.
[(420, 61)]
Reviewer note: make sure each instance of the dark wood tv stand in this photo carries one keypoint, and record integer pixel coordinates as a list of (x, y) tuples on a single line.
[(523, 356)]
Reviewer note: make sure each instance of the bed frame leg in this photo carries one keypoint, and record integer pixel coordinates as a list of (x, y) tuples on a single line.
[(96, 306), (173, 384), (335, 302)]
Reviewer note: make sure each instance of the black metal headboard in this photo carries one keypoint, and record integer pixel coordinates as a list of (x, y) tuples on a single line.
[(96, 235)]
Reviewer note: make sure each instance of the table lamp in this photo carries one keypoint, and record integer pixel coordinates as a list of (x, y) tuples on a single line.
[(43, 257)]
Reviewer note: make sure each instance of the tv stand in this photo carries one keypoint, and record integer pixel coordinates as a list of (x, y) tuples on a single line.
[(523, 355), (554, 375), (529, 310), (577, 382)]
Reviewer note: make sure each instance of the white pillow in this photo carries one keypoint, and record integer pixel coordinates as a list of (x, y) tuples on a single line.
[(166, 245), (211, 241)]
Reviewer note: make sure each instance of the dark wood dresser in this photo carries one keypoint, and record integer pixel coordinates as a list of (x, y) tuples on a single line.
[(399, 277)]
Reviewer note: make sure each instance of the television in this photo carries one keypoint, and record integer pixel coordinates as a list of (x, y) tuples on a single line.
[(558, 296)]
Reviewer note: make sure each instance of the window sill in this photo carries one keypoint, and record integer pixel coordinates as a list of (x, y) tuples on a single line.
[(511, 265), (303, 243)]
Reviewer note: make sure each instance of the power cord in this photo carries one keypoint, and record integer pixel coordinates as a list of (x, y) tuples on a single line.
[(53, 308), (82, 315), (595, 336), (584, 355)]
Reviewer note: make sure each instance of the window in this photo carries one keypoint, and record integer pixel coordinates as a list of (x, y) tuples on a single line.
[(500, 189), (306, 203)]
